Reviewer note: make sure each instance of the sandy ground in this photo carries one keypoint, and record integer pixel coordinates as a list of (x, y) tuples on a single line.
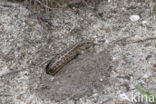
[(106, 74)]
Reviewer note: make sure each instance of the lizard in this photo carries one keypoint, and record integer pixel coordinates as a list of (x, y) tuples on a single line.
[(55, 65)]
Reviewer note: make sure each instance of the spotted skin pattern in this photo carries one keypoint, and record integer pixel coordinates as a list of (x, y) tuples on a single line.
[(55, 65)]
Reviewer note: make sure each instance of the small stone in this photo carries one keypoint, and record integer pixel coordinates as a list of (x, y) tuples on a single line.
[(144, 23), (155, 32), (123, 97), (134, 18), (107, 41), (154, 67), (101, 79), (147, 75), (108, 30), (148, 44)]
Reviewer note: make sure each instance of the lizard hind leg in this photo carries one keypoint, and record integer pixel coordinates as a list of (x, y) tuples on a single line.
[(81, 52)]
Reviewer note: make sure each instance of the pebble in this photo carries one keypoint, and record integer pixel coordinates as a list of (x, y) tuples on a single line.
[(155, 32), (147, 75), (107, 41), (123, 97), (134, 18), (144, 23)]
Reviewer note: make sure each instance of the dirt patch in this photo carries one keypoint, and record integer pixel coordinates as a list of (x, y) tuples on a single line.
[(81, 77), (26, 45)]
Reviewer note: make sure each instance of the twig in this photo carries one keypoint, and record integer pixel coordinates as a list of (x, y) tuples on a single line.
[(142, 40), (47, 7), (9, 73), (122, 41), (5, 95)]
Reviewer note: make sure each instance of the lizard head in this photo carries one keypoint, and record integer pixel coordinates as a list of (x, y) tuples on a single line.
[(86, 44)]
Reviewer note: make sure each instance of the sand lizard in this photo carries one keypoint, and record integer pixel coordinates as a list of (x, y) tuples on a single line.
[(55, 65)]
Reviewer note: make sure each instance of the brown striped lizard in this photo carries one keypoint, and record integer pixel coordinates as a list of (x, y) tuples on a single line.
[(55, 65)]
